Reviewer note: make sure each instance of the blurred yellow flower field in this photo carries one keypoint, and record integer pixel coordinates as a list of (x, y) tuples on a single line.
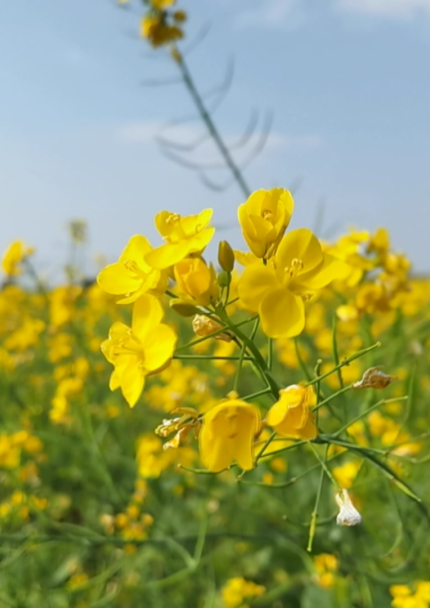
[(225, 479)]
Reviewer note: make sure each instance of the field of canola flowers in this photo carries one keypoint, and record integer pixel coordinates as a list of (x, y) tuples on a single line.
[(247, 431)]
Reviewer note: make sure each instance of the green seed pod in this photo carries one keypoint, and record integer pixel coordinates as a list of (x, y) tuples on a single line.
[(225, 256)]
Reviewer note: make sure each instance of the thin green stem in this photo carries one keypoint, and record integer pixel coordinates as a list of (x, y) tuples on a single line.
[(344, 362), (213, 334), (269, 353), (239, 368), (213, 131), (323, 463), (314, 515)]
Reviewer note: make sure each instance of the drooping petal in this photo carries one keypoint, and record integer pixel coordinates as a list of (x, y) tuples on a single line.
[(159, 345), (255, 281), (282, 313), (132, 382), (277, 413), (147, 313), (309, 431)]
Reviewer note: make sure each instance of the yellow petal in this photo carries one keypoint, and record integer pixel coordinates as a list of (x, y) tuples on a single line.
[(194, 224), (309, 431), (299, 244), (168, 254), (160, 343), (282, 313), (116, 280), (132, 382), (147, 313), (330, 269), (136, 249), (256, 280), (277, 413)]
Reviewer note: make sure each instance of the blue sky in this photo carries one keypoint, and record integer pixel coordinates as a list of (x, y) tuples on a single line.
[(347, 82)]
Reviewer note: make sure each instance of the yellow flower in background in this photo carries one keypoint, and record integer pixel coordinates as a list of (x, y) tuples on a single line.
[(227, 435), (326, 566), (62, 307), (196, 280), (131, 276), (346, 473), (139, 351), (264, 218), (13, 257), (276, 290), (403, 596), (291, 416), (183, 236), (162, 4), (237, 589), (157, 31)]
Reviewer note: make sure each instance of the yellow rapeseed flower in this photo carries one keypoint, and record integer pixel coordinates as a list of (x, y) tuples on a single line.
[(227, 434), (276, 290), (237, 589), (197, 281), (291, 416), (13, 257), (139, 351), (183, 236), (131, 276), (162, 4), (264, 218)]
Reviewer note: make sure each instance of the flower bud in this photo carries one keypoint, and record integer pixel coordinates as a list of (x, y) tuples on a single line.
[(225, 256), (185, 309), (348, 514)]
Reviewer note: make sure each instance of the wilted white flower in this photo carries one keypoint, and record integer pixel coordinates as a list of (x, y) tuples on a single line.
[(348, 514)]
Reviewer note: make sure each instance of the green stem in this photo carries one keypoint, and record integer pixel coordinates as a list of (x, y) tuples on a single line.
[(314, 515), (346, 361), (213, 334), (213, 131), (239, 368), (269, 353)]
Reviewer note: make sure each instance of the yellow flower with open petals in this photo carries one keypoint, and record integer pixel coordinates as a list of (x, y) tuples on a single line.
[(131, 276), (291, 416), (183, 236), (276, 290), (142, 350), (197, 281), (227, 435), (13, 257), (264, 218)]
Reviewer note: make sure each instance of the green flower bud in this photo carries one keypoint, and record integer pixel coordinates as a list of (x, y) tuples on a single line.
[(225, 256), (185, 309)]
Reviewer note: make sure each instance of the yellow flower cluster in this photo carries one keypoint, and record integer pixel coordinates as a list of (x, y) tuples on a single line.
[(404, 597), (237, 590)]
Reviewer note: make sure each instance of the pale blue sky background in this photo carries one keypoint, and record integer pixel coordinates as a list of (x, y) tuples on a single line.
[(348, 82)]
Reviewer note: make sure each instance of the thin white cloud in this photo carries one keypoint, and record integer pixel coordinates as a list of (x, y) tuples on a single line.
[(272, 14), (397, 9)]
